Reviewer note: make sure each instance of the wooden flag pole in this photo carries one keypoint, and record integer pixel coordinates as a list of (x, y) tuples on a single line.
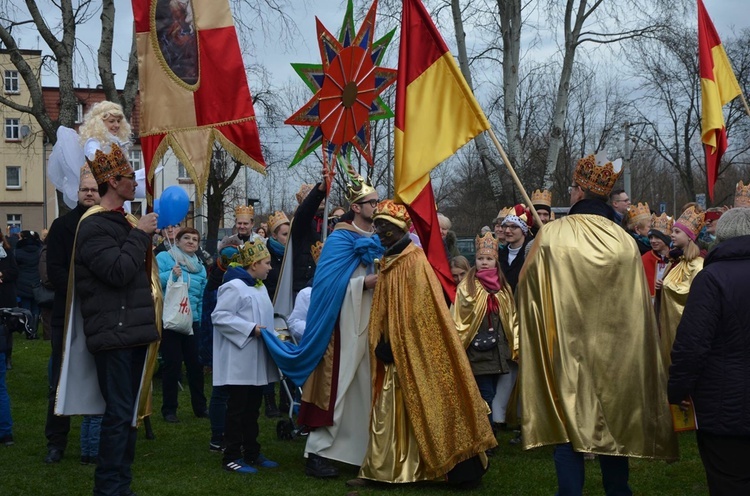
[(525, 195), (744, 102)]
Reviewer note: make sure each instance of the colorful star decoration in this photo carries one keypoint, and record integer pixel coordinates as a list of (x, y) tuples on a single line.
[(346, 89)]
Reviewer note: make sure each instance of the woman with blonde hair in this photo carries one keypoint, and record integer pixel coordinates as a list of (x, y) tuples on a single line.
[(103, 125), (676, 284)]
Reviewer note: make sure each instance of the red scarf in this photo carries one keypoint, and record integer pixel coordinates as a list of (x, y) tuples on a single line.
[(491, 282)]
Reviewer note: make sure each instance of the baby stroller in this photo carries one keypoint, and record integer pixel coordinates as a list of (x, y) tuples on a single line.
[(287, 429), (18, 320)]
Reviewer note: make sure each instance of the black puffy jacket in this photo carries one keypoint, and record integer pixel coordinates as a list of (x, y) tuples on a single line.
[(112, 283), (27, 253), (711, 352), (305, 232)]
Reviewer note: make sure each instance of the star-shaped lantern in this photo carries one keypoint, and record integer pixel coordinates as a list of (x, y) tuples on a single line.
[(346, 89)]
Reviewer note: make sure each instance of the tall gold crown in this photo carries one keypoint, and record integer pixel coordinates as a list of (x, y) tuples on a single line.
[(85, 172), (504, 213), (315, 251), (276, 219), (638, 213), (244, 211), (541, 197), (358, 188), (596, 174), (394, 213), (692, 219), (662, 223), (304, 190), (109, 165), (253, 251), (742, 195), (486, 245)]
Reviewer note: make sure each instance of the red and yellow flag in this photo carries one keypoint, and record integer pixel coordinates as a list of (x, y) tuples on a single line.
[(193, 86), (719, 86), (436, 114)]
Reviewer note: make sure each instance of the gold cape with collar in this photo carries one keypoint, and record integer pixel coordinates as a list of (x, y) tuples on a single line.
[(469, 311), (78, 392), (440, 400), (674, 295), (591, 371)]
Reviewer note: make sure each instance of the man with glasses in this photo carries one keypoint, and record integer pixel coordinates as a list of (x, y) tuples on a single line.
[(620, 203), (108, 337), (516, 225), (59, 253), (593, 376)]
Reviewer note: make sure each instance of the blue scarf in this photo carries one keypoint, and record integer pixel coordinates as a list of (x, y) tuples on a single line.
[(275, 247), (343, 252)]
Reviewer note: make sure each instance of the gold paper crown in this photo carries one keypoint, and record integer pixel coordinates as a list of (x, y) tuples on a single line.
[(662, 223), (276, 219), (304, 190), (315, 251), (638, 213), (596, 174), (742, 195), (393, 213), (693, 220), (541, 197), (85, 172), (244, 211), (486, 245), (108, 165), (253, 251), (357, 189), (504, 213)]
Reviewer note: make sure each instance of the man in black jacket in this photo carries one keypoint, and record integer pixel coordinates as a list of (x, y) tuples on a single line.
[(113, 282), (306, 229), (59, 253)]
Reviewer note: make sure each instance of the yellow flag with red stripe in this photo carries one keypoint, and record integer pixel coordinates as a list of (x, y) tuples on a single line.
[(436, 114), (719, 86)]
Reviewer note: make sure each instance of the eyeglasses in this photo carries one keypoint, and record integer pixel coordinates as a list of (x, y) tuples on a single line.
[(373, 203), (513, 227), (572, 187), (128, 176), (88, 190)]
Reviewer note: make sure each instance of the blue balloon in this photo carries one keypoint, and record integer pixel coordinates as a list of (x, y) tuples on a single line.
[(173, 206), (156, 205)]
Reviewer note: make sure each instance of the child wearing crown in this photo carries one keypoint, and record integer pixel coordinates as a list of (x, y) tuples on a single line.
[(676, 284), (240, 359), (485, 316)]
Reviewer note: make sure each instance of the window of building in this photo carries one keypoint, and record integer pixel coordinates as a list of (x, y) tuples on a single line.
[(136, 208), (190, 217), (14, 223), (79, 113), (11, 82), (13, 177), (12, 129), (135, 159), (181, 171)]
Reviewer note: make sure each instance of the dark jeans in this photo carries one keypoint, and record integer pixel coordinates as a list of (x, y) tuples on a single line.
[(241, 429), (726, 462), (57, 428), (6, 422), (176, 348), (119, 373), (570, 472), (217, 412), (487, 385)]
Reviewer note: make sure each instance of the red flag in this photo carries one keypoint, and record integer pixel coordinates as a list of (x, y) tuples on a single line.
[(719, 86), (436, 114)]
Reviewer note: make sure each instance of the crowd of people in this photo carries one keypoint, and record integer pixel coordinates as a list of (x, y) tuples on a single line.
[(580, 331)]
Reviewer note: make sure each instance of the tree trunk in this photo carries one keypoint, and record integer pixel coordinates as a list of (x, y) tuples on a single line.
[(491, 166)]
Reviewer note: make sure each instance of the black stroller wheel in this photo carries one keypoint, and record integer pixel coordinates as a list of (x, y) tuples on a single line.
[(285, 430)]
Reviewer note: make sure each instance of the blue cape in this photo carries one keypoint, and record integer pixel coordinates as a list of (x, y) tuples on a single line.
[(343, 252)]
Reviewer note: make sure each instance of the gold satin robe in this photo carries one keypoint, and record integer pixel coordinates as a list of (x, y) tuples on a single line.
[(427, 413), (591, 371), (674, 295)]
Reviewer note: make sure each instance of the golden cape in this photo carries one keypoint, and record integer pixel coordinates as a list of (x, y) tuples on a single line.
[(674, 295), (591, 371), (78, 392), (443, 405), (469, 311)]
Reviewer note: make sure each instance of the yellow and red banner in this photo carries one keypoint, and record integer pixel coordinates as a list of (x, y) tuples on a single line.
[(436, 114), (193, 87), (719, 86)]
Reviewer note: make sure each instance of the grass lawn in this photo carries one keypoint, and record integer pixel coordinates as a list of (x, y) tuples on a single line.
[(179, 463)]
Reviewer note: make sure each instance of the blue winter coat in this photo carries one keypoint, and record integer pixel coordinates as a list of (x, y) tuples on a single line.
[(197, 281)]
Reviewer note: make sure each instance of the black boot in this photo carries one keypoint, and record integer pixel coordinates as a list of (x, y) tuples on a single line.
[(272, 411)]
